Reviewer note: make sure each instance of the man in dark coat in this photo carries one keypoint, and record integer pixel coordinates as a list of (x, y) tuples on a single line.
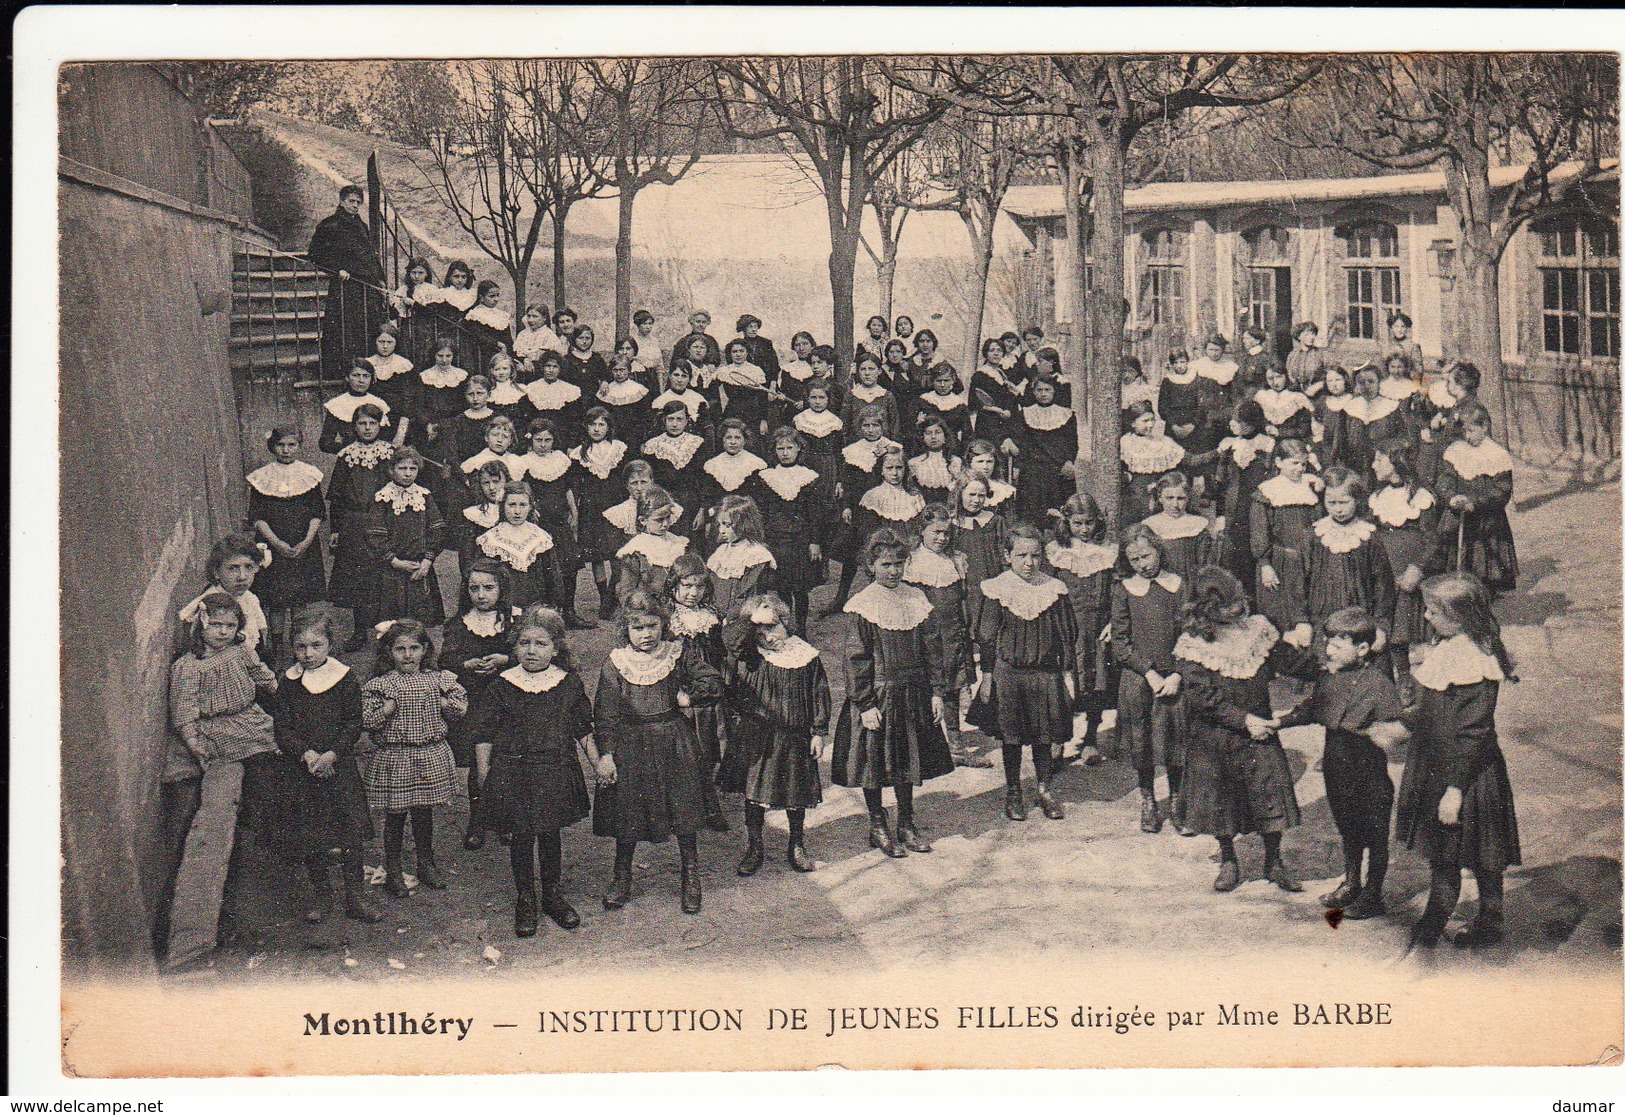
[(698, 322), (342, 247)]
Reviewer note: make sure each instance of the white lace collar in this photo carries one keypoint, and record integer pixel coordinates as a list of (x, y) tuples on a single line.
[(1278, 406), (486, 625), (1181, 380), (1278, 491), (931, 569), (733, 560), (506, 393), (899, 505), (691, 623), (1245, 450), (486, 515), (540, 681), (1394, 506), (900, 609), (1081, 559), (787, 480), (1398, 389), (798, 370), (691, 399), (1024, 600), (792, 654), (1238, 653), (865, 455), (343, 407), (386, 368), (531, 343), (624, 515), (516, 470), (998, 491), (943, 403), (818, 423), (284, 481), (739, 375), (494, 317), (546, 468), (1488, 459), (1044, 419), (401, 500), (1145, 455), (516, 546), (1438, 393), (1369, 410), (1171, 528), (934, 469), (552, 396), (1219, 371), (867, 394), (732, 471), (601, 458), (1343, 538), (649, 668), (660, 550), (1167, 580), (464, 298), (622, 394), (433, 376), (366, 454), (1456, 661), (675, 451), (321, 679)]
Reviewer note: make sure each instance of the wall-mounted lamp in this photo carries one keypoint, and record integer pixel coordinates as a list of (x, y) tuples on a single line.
[(1443, 254)]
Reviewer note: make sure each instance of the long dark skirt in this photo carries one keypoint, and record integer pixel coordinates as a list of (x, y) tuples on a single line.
[(1150, 729), (908, 747), (662, 783), (1241, 788), (537, 791)]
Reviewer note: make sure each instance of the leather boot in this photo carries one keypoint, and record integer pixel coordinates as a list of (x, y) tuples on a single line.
[(429, 873), (620, 889), (907, 835), (796, 855), (1046, 801), (525, 920), (880, 836), (691, 876), (1015, 804), (751, 862), (1150, 819), (557, 907)]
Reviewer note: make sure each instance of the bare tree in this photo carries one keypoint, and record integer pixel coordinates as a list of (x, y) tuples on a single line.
[(897, 191), (837, 112), (1455, 112)]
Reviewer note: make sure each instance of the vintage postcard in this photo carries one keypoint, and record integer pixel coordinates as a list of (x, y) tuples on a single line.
[(761, 548)]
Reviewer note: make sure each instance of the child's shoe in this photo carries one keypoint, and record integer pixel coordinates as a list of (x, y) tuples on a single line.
[(1368, 905), (1343, 897), (525, 920), (1150, 818), (1090, 756), (1046, 802), (429, 875), (1278, 874), (1482, 933), (1229, 877), (357, 908), (557, 907), (798, 859), (751, 862)]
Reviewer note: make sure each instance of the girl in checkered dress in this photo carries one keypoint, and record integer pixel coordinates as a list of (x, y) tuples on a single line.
[(406, 710)]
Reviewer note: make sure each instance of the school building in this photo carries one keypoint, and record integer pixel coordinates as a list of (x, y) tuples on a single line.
[(1346, 253)]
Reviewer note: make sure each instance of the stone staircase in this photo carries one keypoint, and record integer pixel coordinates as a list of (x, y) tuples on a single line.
[(276, 315)]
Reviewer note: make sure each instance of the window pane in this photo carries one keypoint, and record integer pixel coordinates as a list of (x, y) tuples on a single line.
[(1571, 334), (1550, 296), (1552, 341), (1604, 336)]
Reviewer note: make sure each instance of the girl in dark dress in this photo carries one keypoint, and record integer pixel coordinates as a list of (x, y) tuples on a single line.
[(552, 396), (393, 381), (995, 397), (781, 712), (1329, 404), (478, 645), (1475, 485), (627, 401), (890, 727), (925, 364), (1284, 506), (462, 435), (935, 471), (361, 468), (443, 309), (979, 534), (860, 471), (1084, 560), (525, 548), (943, 400), (1237, 779), (679, 465), (582, 366), (1028, 633), (1187, 538), (795, 375), (982, 459), (1146, 455), (597, 489), (1288, 412), (792, 521), (440, 396), (1368, 418), (692, 619), (740, 564), (487, 324), (483, 512), (551, 474), (1346, 564), (875, 343), (285, 505), (645, 563), (338, 413), (939, 572), (1240, 464), (1407, 519), (679, 389), (318, 724), (867, 391), (1148, 609), (1046, 438), (739, 389), (1455, 800), (648, 748), (731, 471), (891, 503), (404, 531), (530, 722), (1178, 402), (415, 322), (507, 397), (894, 374), (822, 437)]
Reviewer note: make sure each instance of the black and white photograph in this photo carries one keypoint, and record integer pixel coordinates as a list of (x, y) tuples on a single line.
[(722, 558)]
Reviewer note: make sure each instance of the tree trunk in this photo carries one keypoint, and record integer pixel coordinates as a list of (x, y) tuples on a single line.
[(844, 240), (1478, 281), (886, 276), (560, 215), (1071, 269), (623, 258), (1106, 321), (981, 243), (519, 275)]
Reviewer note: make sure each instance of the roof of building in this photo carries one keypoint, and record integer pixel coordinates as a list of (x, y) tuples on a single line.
[(1044, 202)]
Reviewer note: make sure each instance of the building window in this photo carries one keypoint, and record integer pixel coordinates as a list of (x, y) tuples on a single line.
[(1162, 280), (1371, 271), (1579, 287)]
